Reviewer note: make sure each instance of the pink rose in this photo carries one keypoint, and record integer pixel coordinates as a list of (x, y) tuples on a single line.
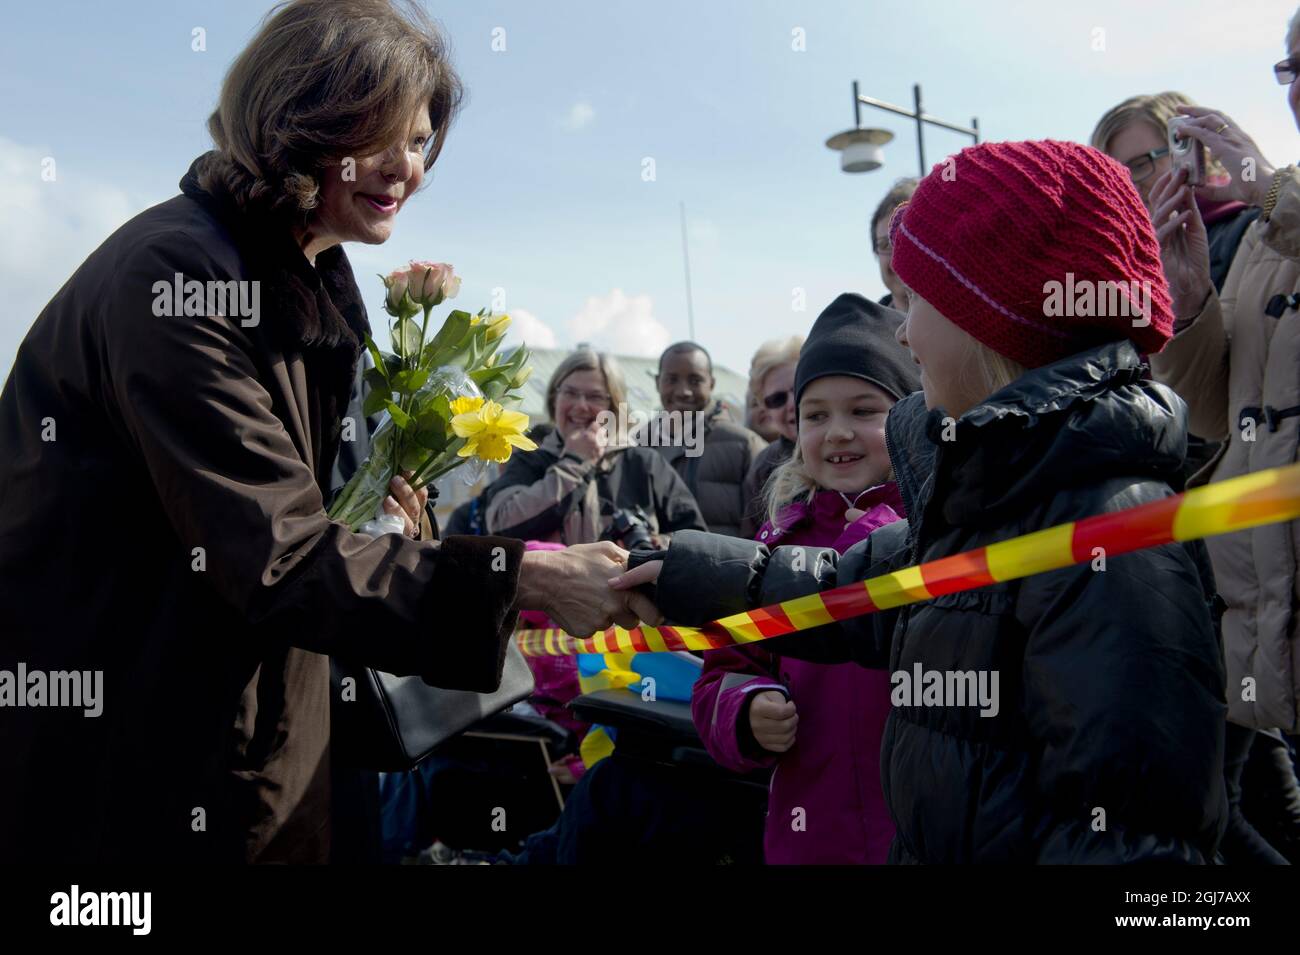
[(396, 282), (431, 282)]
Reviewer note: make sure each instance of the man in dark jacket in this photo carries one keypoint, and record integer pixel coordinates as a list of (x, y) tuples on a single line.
[(1107, 745), (709, 451)]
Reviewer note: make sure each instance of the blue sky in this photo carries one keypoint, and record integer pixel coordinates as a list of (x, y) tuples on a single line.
[(540, 190)]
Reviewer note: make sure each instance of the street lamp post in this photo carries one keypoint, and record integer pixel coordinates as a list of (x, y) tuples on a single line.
[(860, 147)]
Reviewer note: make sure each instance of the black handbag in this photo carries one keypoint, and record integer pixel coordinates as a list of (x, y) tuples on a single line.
[(390, 723)]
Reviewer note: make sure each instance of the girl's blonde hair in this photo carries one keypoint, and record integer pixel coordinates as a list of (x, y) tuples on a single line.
[(984, 372), (788, 482)]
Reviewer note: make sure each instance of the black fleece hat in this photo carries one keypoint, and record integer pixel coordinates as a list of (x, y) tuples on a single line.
[(855, 336)]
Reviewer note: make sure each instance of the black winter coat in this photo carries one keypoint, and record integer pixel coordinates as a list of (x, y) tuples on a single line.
[(1107, 745)]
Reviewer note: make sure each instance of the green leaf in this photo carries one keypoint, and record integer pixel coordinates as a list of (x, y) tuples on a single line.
[(453, 329), (432, 437), (487, 374), (406, 336), (413, 457), (400, 417), (377, 379), (375, 354), (375, 402), (410, 380)]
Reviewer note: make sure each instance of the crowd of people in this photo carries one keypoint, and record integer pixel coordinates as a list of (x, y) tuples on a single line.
[(1143, 710)]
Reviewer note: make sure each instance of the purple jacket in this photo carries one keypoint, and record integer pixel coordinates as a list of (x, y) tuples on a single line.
[(832, 773)]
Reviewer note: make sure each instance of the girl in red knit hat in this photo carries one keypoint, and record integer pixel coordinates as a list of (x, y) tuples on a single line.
[(1071, 716)]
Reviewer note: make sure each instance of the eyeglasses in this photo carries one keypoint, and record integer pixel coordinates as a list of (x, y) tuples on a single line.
[(1141, 167), (590, 397), (1287, 70), (777, 399)]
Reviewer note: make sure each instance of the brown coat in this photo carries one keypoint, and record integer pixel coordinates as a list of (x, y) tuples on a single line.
[(172, 536), (1232, 358)]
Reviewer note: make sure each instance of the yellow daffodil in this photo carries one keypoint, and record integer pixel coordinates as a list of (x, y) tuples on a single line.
[(465, 404), (496, 325), (493, 432)]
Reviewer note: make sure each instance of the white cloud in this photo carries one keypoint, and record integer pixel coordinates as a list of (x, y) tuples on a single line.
[(580, 114), (621, 324), (50, 228), (531, 330)]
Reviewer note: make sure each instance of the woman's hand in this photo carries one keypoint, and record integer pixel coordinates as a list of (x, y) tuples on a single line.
[(1184, 246), (406, 503), (573, 587), (588, 443), (1249, 174), (773, 721)]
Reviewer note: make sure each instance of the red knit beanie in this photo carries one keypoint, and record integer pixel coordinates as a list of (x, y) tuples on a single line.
[(1037, 249)]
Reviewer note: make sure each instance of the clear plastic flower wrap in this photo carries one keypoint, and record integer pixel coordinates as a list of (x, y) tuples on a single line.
[(442, 399)]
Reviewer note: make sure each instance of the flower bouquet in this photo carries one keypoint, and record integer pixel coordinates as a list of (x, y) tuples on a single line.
[(445, 398)]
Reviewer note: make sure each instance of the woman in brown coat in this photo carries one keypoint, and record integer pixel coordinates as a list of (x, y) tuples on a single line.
[(162, 533)]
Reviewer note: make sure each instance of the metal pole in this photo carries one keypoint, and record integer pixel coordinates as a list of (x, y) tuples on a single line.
[(686, 261), (920, 125), (975, 125), (857, 107)]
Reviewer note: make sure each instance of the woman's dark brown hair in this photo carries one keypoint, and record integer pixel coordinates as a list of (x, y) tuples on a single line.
[(322, 81)]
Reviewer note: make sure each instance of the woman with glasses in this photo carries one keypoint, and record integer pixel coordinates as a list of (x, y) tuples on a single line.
[(771, 381), (1235, 360), (1136, 132), (577, 488)]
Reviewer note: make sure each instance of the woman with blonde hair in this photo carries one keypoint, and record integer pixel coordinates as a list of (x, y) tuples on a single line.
[(1136, 132), (771, 381)]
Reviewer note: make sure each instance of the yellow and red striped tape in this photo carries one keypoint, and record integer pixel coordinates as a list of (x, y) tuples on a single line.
[(1265, 497)]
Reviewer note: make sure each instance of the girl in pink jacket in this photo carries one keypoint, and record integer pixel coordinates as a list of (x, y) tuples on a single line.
[(819, 726)]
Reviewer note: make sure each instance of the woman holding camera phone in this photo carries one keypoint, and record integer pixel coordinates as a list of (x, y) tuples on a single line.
[(1234, 360), (576, 488)]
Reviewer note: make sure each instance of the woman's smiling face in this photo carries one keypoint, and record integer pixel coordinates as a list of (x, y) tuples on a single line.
[(842, 433), (359, 200)]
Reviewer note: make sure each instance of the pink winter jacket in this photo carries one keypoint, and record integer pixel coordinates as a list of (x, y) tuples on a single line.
[(825, 804)]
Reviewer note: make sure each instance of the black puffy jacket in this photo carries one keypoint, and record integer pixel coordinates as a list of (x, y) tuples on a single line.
[(1107, 745)]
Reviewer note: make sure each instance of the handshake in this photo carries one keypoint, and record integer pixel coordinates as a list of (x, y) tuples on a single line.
[(587, 587)]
